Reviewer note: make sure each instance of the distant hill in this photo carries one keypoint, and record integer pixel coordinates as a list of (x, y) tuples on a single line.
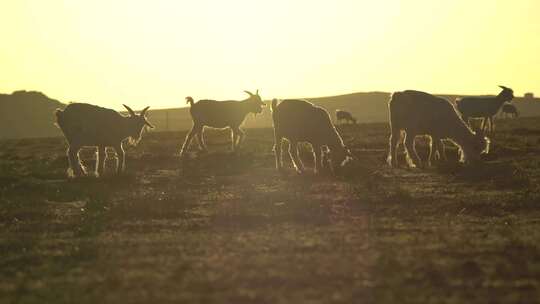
[(30, 114), (27, 114)]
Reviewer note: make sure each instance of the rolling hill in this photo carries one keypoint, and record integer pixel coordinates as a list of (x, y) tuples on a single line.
[(27, 114)]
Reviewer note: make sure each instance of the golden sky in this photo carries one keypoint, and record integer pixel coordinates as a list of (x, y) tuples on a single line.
[(157, 52)]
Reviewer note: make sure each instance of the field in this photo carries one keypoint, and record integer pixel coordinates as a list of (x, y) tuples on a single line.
[(227, 228)]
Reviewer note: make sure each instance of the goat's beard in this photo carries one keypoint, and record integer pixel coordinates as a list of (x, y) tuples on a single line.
[(134, 140)]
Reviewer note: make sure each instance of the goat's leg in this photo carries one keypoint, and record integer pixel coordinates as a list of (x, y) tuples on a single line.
[(439, 147), (100, 161), (432, 153), (486, 124), (234, 138), (324, 158), (293, 153), (491, 124), (277, 152), (413, 160), (121, 160), (241, 136), (392, 149), (188, 139), (75, 167), (317, 158), (200, 138)]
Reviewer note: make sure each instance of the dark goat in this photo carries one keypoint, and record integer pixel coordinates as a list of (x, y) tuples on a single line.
[(484, 107), (346, 116), (418, 113), (86, 125), (220, 115), (301, 121)]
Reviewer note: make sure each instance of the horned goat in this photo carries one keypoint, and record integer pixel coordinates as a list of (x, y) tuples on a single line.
[(221, 114), (86, 125), (418, 113), (301, 121), (484, 107), (345, 116)]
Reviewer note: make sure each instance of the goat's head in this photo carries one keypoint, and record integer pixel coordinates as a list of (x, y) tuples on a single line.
[(477, 148), (255, 102), (339, 156), (507, 94), (136, 124)]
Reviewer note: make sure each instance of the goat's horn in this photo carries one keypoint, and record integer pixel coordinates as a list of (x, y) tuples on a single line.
[(249, 93), (503, 87), (143, 112), (129, 110), (257, 93)]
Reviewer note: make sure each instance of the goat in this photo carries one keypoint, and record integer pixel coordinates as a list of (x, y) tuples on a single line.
[(220, 115), (418, 113), (301, 121), (484, 107), (509, 109), (346, 116), (86, 125)]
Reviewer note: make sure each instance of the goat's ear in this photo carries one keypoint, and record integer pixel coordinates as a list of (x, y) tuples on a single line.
[(143, 112), (257, 93), (249, 93), (129, 110)]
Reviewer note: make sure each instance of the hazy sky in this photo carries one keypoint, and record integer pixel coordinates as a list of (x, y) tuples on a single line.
[(157, 52)]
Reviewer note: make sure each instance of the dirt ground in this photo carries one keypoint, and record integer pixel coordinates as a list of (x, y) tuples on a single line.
[(227, 228)]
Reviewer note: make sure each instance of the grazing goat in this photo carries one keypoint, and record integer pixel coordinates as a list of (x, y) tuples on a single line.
[(301, 121), (86, 125), (509, 109), (484, 107), (418, 113), (346, 116), (220, 115)]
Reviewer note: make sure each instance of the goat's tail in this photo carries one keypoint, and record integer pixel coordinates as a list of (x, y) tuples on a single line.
[(59, 113), (274, 104), (189, 100)]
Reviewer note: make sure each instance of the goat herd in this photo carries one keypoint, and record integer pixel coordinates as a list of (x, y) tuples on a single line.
[(412, 113)]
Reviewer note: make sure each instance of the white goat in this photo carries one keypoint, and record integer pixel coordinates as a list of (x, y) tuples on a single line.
[(220, 115), (484, 107), (301, 121), (86, 125), (419, 113)]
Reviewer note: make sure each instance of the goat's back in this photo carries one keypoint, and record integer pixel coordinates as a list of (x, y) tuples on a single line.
[(421, 112), (87, 123), (217, 114), (480, 106), (300, 120)]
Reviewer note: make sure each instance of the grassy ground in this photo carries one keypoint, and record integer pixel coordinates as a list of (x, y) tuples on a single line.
[(224, 228)]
